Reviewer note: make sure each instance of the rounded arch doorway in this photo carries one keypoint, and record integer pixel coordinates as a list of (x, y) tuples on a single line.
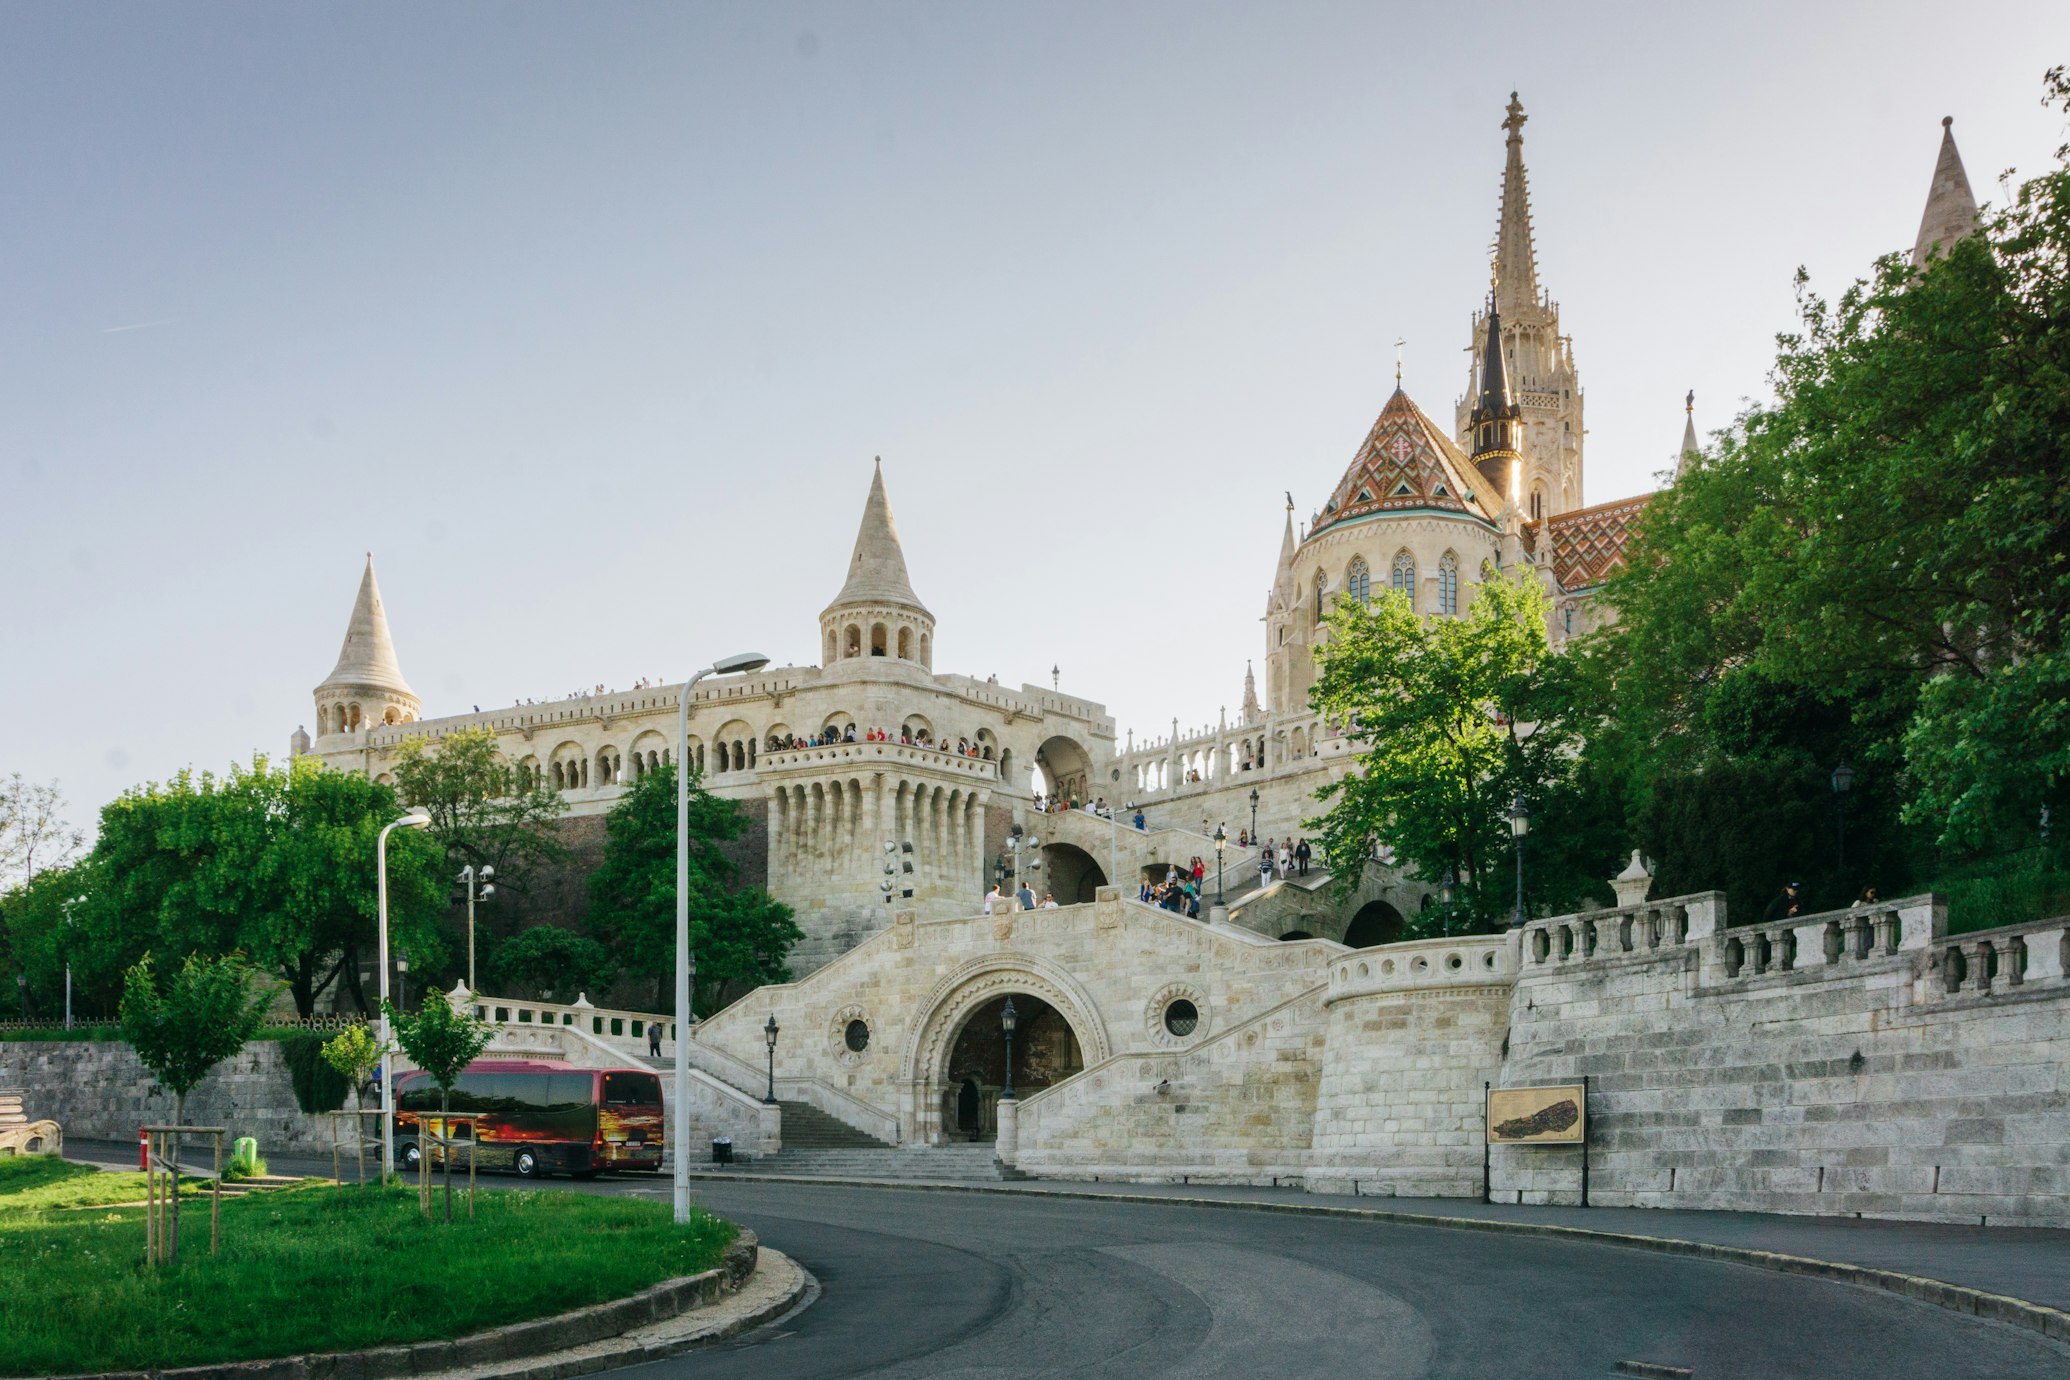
[(1045, 1052), (1376, 923), (1072, 874), (1064, 769)]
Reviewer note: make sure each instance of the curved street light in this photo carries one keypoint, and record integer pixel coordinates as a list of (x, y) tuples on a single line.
[(680, 1122), (384, 1032)]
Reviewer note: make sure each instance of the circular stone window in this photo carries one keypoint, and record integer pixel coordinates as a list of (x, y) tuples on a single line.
[(856, 1036), (1181, 1018)]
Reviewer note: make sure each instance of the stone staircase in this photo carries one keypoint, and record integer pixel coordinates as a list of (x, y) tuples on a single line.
[(806, 1127), (964, 1162)]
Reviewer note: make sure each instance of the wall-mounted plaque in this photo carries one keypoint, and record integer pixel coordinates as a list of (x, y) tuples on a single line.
[(1538, 1116)]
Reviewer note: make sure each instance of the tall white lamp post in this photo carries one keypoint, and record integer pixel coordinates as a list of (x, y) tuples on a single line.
[(415, 819), (679, 1128)]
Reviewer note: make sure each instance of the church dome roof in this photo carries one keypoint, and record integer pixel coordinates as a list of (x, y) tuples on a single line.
[(1405, 463)]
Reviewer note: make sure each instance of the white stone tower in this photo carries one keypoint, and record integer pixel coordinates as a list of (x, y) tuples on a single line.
[(366, 687), (1951, 212), (1542, 378), (876, 613)]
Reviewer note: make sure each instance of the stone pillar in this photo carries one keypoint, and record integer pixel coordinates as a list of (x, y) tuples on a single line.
[(1008, 1112), (1811, 945)]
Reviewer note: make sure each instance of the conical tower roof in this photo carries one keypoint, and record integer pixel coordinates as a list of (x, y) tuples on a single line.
[(877, 571), (1516, 261), (368, 656), (1951, 211)]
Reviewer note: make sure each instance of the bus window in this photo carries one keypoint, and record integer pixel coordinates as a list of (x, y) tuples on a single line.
[(570, 1090), (632, 1090), (418, 1095)]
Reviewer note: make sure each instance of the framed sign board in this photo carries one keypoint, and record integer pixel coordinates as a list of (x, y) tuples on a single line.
[(1538, 1116)]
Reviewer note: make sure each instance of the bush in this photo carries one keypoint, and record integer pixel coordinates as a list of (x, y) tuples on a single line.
[(319, 1088)]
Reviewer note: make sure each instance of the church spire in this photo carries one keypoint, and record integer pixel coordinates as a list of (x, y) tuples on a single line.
[(1516, 262), (1494, 422), (877, 570), (1690, 455), (1951, 211), (367, 658), (1252, 712)]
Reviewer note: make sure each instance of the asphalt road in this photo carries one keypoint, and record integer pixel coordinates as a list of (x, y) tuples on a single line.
[(926, 1284), (1021, 1284)]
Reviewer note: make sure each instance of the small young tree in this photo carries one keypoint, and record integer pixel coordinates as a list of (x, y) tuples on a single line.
[(555, 963), (355, 1052), (442, 1040), (184, 1025)]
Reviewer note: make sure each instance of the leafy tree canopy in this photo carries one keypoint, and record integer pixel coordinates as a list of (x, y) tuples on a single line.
[(740, 937), (1455, 717), (184, 1024), (557, 964), (483, 810)]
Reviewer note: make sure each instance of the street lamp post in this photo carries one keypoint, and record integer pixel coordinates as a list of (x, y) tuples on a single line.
[(384, 1031), (1843, 782), (1007, 1020), (1519, 826), (1254, 817), (679, 1129), (479, 887), (1448, 891), (1221, 842), (769, 1033)]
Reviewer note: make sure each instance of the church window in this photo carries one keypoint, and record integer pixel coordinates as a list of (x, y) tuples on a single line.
[(1321, 581), (1402, 490), (1365, 495), (1440, 492), (1448, 585), (1567, 617), (1537, 502), (1404, 577), (1358, 581)]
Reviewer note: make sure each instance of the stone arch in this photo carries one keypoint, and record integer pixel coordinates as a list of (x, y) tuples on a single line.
[(852, 640), (923, 1062), (1376, 922), (880, 640), (833, 647), (1072, 874), (1401, 577), (926, 657), (1065, 767), (917, 724), (731, 743), (1292, 935), (608, 766), (905, 643)]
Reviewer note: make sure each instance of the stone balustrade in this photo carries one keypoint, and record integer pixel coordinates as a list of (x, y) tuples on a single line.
[(626, 1030), (1468, 961), (1826, 939), (1603, 935), (2003, 960), (912, 754)]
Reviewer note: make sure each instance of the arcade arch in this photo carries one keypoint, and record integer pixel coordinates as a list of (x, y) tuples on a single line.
[(1065, 769), (970, 1000), (1376, 922)]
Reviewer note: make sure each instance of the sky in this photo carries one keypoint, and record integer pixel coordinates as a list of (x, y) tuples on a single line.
[(588, 320)]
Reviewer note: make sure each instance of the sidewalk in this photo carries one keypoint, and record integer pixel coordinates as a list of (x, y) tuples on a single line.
[(2031, 1263)]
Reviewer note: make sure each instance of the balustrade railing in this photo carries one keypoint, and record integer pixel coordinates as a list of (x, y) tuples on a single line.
[(2002, 960), (1604, 934)]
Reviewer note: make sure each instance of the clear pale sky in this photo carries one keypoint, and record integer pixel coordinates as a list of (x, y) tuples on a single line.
[(587, 320)]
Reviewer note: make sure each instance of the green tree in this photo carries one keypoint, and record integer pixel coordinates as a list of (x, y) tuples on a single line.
[(483, 810), (355, 1052), (555, 963), (1455, 717), (442, 1040), (740, 936), (274, 862), (1887, 545), (34, 839), (184, 1025)]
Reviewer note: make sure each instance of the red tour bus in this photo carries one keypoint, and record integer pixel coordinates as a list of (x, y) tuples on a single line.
[(541, 1118)]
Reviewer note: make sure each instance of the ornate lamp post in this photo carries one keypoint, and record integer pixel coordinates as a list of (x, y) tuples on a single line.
[(679, 1129), (1254, 817), (1007, 1020), (479, 888), (1519, 826), (1448, 892), (1843, 782), (769, 1034), (1221, 842)]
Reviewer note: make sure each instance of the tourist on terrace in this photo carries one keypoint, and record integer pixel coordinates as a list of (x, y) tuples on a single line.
[(1265, 867), (1026, 896), (1139, 821), (1302, 853), (1784, 905), (992, 899), (654, 1039), (1049, 900)]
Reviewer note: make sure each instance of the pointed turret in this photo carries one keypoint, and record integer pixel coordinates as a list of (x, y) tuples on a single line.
[(1690, 456), (1251, 710), (1951, 212), (877, 613), (1494, 421), (1516, 262), (366, 686)]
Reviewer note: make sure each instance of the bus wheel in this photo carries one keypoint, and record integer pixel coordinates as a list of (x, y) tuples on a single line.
[(408, 1154), (527, 1164)]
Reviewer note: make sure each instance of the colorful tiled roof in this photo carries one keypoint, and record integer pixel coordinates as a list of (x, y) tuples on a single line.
[(1405, 462), (1587, 543)]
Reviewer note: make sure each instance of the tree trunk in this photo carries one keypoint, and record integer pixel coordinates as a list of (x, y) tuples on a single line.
[(179, 1119), (353, 985), (445, 1130)]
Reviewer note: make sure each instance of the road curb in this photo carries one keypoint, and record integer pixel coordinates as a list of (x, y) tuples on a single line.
[(662, 1320), (2052, 1323)]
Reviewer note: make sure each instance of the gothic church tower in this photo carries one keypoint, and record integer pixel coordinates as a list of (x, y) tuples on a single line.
[(1542, 382)]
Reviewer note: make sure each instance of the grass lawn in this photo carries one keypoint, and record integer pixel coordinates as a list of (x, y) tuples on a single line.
[(314, 1268)]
